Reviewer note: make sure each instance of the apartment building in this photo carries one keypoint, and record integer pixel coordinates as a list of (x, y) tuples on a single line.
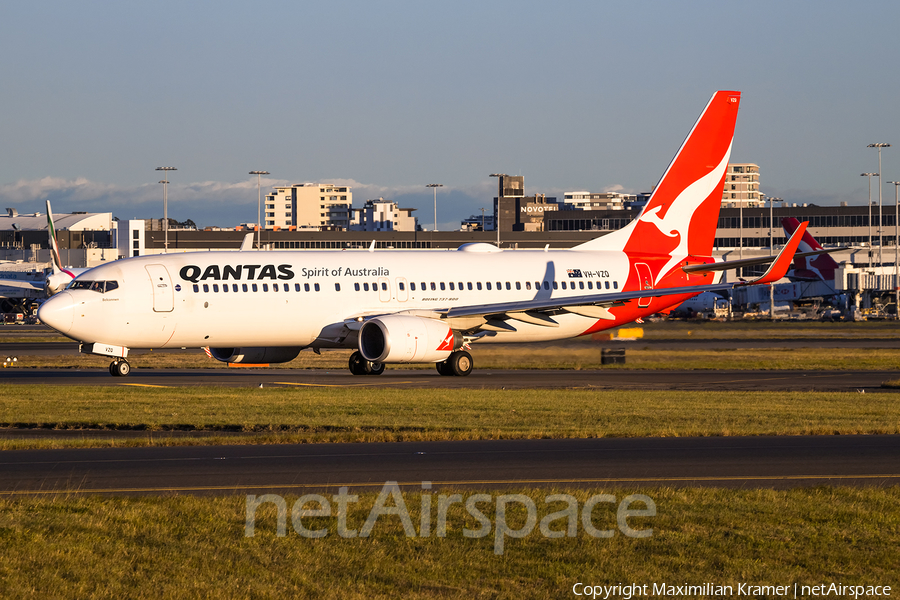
[(742, 186), (382, 215), (309, 206)]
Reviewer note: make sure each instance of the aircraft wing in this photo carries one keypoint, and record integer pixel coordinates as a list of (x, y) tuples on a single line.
[(21, 283), (749, 262), (584, 304)]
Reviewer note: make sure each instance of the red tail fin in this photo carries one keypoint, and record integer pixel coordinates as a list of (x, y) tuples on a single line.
[(809, 267), (681, 216)]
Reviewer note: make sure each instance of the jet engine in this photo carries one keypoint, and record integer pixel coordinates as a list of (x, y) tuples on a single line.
[(275, 354), (407, 339)]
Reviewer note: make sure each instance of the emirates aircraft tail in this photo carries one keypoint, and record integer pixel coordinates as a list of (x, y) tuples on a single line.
[(819, 267), (681, 216)]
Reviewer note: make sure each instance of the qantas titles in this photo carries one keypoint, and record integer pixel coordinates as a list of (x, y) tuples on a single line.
[(194, 273)]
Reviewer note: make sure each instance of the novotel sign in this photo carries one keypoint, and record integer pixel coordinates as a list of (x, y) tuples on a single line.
[(538, 209)]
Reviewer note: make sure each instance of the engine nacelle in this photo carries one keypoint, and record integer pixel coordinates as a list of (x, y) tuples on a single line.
[(407, 339), (275, 354)]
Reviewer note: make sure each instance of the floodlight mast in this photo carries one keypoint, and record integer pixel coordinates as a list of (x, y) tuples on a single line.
[(165, 183), (259, 175), (434, 187), (879, 145)]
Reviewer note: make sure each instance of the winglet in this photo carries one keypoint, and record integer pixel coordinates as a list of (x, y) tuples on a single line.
[(782, 262), (247, 244)]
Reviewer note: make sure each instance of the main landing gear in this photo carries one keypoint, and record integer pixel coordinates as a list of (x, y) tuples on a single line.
[(119, 368), (361, 366), (458, 364)]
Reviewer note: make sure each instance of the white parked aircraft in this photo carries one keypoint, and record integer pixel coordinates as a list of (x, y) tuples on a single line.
[(58, 277), (419, 306)]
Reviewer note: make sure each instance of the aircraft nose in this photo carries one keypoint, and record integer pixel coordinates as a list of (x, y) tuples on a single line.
[(58, 312)]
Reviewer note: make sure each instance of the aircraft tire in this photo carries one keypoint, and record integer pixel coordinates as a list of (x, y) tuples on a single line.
[(459, 364), (120, 368), (374, 368), (442, 369), (357, 364)]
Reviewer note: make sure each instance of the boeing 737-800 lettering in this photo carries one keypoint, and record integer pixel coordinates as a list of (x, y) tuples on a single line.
[(418, 306)]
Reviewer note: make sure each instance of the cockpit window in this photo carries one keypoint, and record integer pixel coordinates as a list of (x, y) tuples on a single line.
[(94, 286)]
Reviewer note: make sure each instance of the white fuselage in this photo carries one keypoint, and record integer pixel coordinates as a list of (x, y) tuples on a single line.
[(305, 298)]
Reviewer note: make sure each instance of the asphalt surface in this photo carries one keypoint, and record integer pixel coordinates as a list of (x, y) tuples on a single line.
[(778, 462), (601, 379), (735, 462)]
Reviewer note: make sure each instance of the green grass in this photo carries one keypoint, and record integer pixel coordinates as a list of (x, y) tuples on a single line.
[(191, 547), (273, 415)]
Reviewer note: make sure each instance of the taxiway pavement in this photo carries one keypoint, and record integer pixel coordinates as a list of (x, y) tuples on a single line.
[(737, 462)]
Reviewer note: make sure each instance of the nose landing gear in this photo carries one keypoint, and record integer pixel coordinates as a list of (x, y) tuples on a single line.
[(119, 368)]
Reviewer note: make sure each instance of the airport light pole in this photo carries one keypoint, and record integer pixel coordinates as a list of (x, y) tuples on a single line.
[(482, 219), (879, 146), (499, 195), (259, 175), (869, 175), (165, 183), (434, 187), (772, 201), (896, 247)]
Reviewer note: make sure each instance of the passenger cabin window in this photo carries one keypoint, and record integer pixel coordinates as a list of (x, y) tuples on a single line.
[(356, 286), (306, 287), (296, 287), (317, 287), (215, 287), (433, 287), (401, 286), (244, 287), (206, 287), (470, 286), (615, 285), (254, 287), (527, 285), (365, 287), (487, 285), (555, 285), (337, 287), (383, 286), (412, 286), (443, 287), (518, 285), (478, 285)]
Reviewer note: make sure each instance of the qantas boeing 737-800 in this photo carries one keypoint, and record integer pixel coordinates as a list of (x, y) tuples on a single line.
[(419, 306)]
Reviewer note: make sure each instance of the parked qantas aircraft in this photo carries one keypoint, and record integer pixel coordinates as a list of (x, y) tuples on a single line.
[(419, 306), (812, 263), (58, 277)]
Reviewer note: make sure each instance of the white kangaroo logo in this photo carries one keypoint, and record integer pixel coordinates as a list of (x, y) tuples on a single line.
[(678, 217)]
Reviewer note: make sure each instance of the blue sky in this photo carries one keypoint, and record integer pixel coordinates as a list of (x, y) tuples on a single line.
[(390, 96)]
